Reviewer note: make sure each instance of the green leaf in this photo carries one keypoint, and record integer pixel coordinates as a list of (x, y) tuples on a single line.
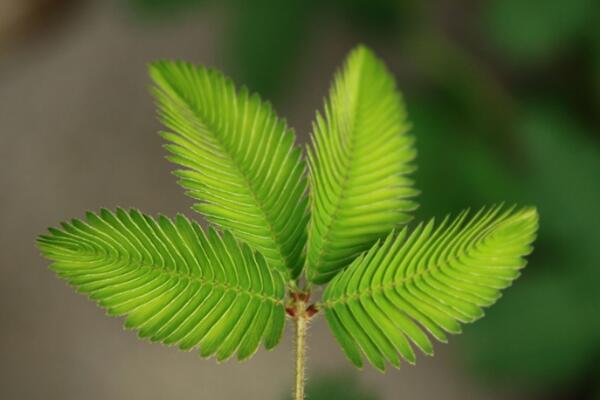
[(430, 280), (175, 284), (239, 160), (358, 162)]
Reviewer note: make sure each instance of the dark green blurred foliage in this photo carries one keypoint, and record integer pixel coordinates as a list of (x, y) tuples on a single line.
[(267, 38), (533, 31), (546, 332), (457, 162), (595, 68), (549, 326), (378, 17), (337, 386), (263, 36), (505, 104)]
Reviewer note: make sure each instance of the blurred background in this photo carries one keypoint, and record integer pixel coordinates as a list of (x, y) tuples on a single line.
[(504, 99)]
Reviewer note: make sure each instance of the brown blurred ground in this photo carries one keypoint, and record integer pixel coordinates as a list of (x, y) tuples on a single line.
[(78, 132)]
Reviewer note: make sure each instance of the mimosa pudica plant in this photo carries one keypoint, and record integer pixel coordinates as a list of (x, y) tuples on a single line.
[(285, 224)]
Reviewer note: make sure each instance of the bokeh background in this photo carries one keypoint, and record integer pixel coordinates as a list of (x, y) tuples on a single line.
[(504, 99)]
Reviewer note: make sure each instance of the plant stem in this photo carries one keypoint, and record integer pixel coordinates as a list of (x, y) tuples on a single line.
[(301, 320)]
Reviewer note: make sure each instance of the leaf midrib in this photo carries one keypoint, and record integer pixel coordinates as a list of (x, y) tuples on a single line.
[(370, 291), (229, 154), (126, 261), (328, 229)]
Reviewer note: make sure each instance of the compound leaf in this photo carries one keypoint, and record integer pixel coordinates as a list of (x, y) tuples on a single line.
[(238, 159), (359, 161), (175, 283), (431, 280)]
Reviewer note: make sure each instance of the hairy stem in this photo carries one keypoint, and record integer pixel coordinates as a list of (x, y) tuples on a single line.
[(301, 322)]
